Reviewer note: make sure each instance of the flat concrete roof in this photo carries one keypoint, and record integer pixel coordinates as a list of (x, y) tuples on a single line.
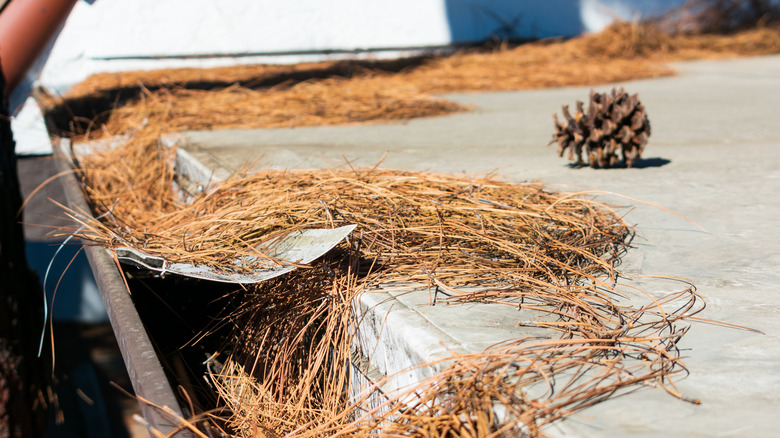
[(714, 157)]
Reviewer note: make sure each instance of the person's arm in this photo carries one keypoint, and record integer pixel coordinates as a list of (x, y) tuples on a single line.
[(26, 26)]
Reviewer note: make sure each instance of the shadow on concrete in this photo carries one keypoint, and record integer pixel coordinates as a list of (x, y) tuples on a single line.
[(644, 163)]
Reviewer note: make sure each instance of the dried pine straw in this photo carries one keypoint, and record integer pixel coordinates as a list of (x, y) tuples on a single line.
[(314, 94), (477, 238)]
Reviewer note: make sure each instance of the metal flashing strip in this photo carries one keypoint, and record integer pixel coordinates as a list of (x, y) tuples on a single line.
[(303, 246)]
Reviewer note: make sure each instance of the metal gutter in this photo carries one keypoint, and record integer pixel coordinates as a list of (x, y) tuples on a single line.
[(143, 366)]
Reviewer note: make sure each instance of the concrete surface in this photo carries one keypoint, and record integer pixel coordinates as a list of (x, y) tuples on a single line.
[(714, 157)]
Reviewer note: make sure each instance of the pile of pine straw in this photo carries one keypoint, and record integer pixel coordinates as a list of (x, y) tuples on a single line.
[(477, 238)]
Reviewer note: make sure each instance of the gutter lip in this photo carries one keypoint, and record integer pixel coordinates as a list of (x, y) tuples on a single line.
[(141, 361)]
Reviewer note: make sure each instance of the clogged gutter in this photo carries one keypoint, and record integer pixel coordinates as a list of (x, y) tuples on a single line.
[(468, 239)]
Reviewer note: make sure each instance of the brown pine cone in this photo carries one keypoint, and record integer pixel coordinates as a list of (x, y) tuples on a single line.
[(614, 122)]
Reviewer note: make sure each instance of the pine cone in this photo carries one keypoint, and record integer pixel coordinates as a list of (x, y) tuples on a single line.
[(614, 121)]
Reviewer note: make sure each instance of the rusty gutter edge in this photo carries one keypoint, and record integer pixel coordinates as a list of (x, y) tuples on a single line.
[(146, 373)]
